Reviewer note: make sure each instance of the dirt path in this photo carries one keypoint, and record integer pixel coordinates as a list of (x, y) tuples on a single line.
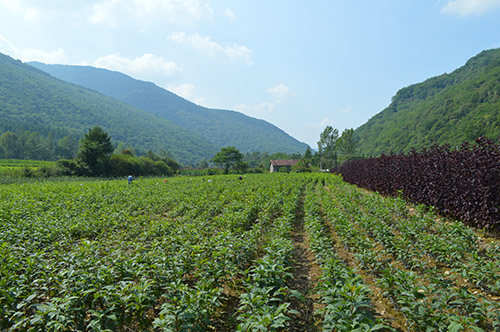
[(306, 275)]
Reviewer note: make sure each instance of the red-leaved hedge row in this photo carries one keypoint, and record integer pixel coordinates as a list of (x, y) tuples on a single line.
[(464, 183)]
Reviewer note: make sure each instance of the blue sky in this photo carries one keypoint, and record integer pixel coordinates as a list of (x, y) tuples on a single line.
[(301, 65)]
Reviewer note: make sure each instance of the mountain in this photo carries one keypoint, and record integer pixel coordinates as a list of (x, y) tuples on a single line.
[(220, 127), (32, 100), (450, 108)]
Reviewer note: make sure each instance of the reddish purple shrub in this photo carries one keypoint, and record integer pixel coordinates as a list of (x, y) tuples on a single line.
[(464, 183)]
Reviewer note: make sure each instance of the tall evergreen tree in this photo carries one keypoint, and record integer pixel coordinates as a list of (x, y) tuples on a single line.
[(95, 150)]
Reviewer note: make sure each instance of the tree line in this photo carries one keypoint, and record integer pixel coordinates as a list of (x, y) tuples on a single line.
[(94, 155), (95, 158), (333, 150), (31, 145)]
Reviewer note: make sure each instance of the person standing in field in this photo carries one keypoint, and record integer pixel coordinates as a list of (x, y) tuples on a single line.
[(130, 179)]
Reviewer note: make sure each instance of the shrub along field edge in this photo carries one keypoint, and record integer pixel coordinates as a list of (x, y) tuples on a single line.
[(464, 183)]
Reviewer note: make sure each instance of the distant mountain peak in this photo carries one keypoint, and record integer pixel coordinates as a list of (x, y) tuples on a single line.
[(220, 127)]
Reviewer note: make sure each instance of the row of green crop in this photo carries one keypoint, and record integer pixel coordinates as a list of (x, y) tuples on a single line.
[(414, 259), (12, 170), (168, 255), (24, 163), (347, 305), (110, 256), (264, 304), (409, 237)]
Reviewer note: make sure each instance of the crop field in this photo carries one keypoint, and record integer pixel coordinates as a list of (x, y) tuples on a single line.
[(18, 168), (14, 163), (271, 252)]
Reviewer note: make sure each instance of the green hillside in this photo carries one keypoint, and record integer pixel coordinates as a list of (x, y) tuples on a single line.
[(32, 100), (451, 108), (221, 127)]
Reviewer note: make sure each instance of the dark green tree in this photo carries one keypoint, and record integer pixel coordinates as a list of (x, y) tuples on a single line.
[(128, 151), (151, 155), (203, 164), (10, 145), (327, 146), (241, 166), (307, 155), (347, 143), (227, 157), (66, 147), (302, 166), (95, 150), (33, 146)]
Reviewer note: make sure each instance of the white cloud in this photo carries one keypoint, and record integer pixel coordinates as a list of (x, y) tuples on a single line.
[(280, 92), (176, 11), (7, 47), (229, 14), (52, 57), (183, 12), (15, 7), (187, 91), (260, 110), (32, 54), (465, 8), (34, 14), (12, 6), (347, 109), (146, 66), (27, 12), (207, 46), (321, 124), (105, 13)]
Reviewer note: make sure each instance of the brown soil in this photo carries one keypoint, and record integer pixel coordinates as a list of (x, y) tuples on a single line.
[(226, 321), (306, 274), (382, 306)]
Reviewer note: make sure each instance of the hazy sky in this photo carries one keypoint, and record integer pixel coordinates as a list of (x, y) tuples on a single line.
[(301, 65)]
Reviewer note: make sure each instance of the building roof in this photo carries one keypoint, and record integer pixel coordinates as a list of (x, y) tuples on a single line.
[(283, 162)]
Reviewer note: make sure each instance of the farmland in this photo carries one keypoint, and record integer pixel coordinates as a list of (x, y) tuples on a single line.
[(16, 168), (271, 252)]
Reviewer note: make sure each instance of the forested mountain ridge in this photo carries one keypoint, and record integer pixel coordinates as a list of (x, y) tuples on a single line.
[(220, 127), (33, 101), (450, 108)]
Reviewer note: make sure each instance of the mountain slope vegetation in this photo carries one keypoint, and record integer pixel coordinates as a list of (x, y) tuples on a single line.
[(220, 127), (32, 100), (450, 108)]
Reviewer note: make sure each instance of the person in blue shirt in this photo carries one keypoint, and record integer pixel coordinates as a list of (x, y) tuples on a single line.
[(130, 179)]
